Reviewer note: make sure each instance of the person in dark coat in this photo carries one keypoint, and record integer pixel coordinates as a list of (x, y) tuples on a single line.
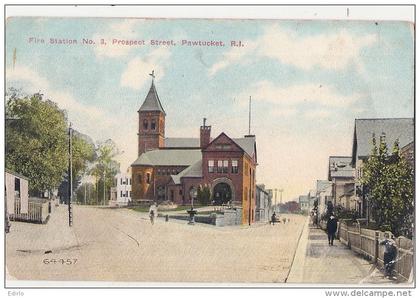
[(331, 228), (390, 253), (273, 218)]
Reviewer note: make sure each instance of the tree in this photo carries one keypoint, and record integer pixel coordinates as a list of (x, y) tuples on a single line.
[(36, 140), (83, 154), (203, 195), (388, 181), (105, 168)]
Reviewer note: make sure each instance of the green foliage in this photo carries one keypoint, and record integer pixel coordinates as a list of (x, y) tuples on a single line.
[(203, 195), (36, 140), (86, 191), (105, 168), (389, 182)]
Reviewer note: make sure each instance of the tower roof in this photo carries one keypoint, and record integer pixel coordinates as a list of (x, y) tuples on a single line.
[(152, 102)]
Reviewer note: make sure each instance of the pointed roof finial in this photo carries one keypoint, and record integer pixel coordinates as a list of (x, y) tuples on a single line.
[(152, 74)]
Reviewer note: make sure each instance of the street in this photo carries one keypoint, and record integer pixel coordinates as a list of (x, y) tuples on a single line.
[(122, 245)]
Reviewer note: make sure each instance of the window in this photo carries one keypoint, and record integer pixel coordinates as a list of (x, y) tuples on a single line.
[(121, 194), (126, 193), (130, 194), (121, 182), (158, 171), (129, 181), (225, 166), (235, 167), (219, 166), (145, 124), (211, 166), (180, 192), (246, 169), (153, 124), (226, 147), (148, 178), (139, 179), (246, 193)]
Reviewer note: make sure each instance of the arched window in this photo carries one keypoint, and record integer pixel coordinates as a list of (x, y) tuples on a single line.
[(145, 124), (153, 124)]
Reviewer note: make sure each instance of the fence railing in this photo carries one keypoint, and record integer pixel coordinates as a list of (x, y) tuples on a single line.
[(366, 242), (38, 211)]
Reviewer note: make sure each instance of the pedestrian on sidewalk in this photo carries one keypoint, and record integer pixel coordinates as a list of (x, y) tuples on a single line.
[(331, 229), (390, 254), (152, 213)]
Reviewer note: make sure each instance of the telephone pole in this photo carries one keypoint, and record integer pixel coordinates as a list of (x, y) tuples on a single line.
[(70, 177)]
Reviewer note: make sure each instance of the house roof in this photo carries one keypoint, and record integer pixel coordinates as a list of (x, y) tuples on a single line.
[(340, 167), (152, 102), (16, 174), (175, 157), (247, 144), (194, 170), (182, 143), (394, 128), (322, 185)]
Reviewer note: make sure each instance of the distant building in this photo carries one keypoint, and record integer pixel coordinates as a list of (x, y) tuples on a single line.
[(263, 204), (341, 175), (304, 203), (408, 153), (121, 191), (401, 129), (172, 169), (323, 195)]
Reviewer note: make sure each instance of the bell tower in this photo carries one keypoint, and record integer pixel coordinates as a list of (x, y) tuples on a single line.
[(151, 128)]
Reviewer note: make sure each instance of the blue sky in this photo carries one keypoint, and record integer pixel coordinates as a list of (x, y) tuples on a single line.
[(309, 80)]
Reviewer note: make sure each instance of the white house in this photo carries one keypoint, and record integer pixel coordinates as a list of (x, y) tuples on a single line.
[(121, 192)]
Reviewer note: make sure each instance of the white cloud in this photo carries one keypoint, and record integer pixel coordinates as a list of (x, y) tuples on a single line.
[(292, 95), (86, 118), (234, 55), (134, 75), (329, 51), (123, 30)]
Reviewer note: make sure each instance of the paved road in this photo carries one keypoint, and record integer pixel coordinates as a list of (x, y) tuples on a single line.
[(122, 245), (317, 262)]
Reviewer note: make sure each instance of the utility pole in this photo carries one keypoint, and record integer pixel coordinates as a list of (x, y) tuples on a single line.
[(104, 186), (70, 177), (249, 117)]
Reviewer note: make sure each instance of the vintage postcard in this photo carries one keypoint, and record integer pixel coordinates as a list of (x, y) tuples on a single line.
[(209, 151)]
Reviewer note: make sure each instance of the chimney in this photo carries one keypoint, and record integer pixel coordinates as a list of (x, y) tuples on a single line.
[(204, 134)]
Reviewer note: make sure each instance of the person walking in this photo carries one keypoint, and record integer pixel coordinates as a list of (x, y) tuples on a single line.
[(152, 213), (390, 253), (331, 229)]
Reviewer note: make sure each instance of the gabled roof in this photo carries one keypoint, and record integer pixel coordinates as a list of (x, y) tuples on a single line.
[(340, 167), (247, 144), (152, 102), (394, 128), (322, 185), (175, 157), (182, 143), (195, 170)]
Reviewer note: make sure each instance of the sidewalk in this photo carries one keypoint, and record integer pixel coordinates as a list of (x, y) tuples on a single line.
[(317, 262), (28, 237)]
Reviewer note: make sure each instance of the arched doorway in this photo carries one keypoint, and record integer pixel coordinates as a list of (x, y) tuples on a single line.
[(222, 193)]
